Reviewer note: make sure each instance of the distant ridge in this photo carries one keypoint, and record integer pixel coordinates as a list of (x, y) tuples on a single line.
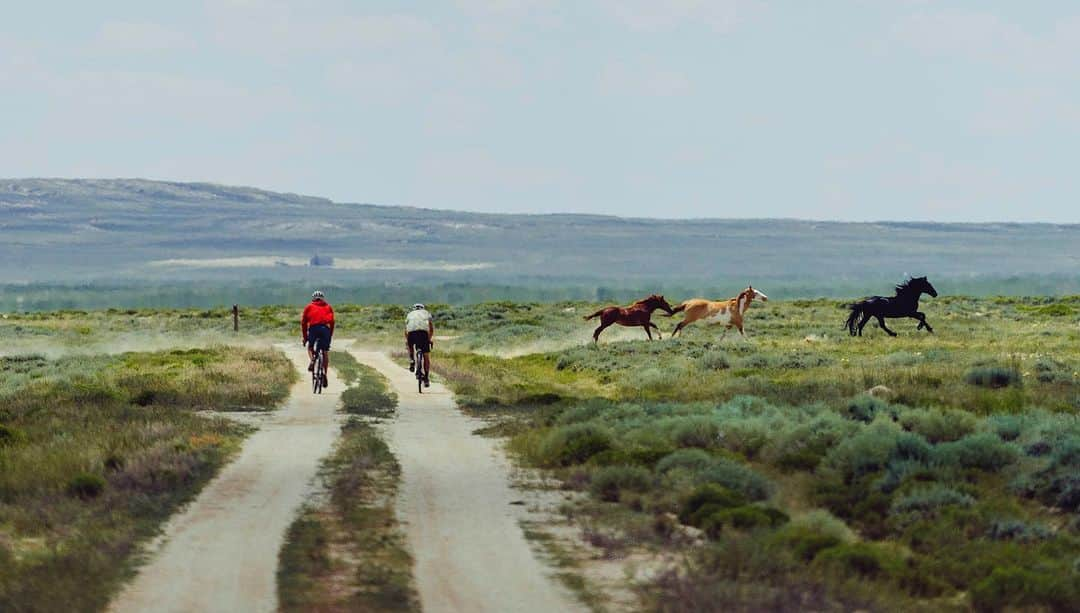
[(85, 229)]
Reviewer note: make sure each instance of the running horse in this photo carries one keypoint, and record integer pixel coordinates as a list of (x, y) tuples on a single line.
[(904, 304), (727, 312), (637, 314)]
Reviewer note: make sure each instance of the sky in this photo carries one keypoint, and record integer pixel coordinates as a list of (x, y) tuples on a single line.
[(855, 110)]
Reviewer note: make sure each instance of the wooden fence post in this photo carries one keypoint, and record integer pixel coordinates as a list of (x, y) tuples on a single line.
[(235, 318)]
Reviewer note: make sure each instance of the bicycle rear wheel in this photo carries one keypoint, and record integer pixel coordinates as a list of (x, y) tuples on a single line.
[(420, 371), (317, 373)]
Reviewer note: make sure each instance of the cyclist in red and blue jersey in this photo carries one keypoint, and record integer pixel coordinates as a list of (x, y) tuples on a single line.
[(317, 328)]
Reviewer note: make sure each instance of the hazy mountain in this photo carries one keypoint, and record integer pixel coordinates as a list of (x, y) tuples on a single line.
[(124, 229)]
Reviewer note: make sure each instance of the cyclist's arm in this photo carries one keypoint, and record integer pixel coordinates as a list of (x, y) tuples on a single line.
[(331, 319), (304, 324), (431, 331)]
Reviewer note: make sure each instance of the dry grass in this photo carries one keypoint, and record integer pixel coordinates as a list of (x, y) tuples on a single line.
[(106, 448)]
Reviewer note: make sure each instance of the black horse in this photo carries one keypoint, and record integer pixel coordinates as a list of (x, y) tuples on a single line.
[(904, 304)]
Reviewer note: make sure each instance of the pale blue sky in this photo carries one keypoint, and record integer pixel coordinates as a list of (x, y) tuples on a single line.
[(859, 110)]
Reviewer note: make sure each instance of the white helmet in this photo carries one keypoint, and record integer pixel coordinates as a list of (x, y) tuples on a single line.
[(418, 306), (317, 294)]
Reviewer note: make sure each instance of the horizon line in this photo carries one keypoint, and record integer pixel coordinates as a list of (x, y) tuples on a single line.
[(550, 214)]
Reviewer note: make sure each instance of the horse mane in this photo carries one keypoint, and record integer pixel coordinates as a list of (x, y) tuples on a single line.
[(646, 299), (745, 297), (904, 287)]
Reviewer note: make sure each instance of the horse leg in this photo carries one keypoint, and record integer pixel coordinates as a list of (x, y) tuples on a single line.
[(862, 322), (678, 326), (881, 324), (599, 329), (722, 335), (659, 336), (647, 332), (922, 322)]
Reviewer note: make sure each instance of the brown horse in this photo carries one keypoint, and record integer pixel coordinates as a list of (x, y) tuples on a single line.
[(726, 312), (637, 314)]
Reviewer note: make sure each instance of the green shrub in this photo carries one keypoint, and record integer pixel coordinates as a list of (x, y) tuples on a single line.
[(695, 431), (802, 447), (629, 456), (738, 478), (911, 447), (804, 542), (10, 435), (857, 559), (938, 425), (693, 460), (714, 360), (902, 358), (865, 408), (899, 471), (1007, 427), (993, 376), (708, 497), (799, 360), (746, 436), (1058, 483), (755, 361), (866, 452), (574, 444), (1049, 370), (984, 451), (1013, 587), (746, 517), (86, 486), (927, 502), (608, 482), (1018, 530), (586, 411), (823, 522)]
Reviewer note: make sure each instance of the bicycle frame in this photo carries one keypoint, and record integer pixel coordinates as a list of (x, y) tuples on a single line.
[(419, 361)]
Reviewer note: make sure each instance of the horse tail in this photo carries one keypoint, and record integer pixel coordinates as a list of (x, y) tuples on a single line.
[(853, 318), (596, 314), (678, 308)]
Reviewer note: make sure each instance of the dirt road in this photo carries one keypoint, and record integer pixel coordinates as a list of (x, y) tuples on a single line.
[(455, 497), (220, 553)]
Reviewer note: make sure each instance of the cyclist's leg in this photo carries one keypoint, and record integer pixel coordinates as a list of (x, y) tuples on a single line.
[(427, 358), (324, 344), (311, 354), (410, 351)]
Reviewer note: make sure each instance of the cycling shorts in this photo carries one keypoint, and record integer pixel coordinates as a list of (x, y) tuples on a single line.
[(318, 337), (419, 338)]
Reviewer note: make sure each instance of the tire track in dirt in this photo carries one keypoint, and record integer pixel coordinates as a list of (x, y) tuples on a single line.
[(455, 504), (220, 553)]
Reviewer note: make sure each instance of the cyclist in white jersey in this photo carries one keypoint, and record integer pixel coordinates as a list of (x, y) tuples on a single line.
[(419, 332)]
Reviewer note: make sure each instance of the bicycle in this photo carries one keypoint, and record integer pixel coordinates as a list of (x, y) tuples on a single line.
[(319, 372), (419, 368)]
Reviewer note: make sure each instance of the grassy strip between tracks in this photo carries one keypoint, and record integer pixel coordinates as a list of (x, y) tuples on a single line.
[(346, 551)]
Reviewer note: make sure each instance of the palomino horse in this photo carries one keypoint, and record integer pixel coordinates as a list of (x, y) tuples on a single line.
[(726, 312), (637, 314)]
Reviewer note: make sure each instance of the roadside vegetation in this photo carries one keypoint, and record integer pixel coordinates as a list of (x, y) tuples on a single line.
[(345, 551), (806, 469), (97, 451), (798, 469)]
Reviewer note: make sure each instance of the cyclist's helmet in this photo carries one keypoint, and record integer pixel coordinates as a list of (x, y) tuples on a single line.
[(417, 306), (318, 294)]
